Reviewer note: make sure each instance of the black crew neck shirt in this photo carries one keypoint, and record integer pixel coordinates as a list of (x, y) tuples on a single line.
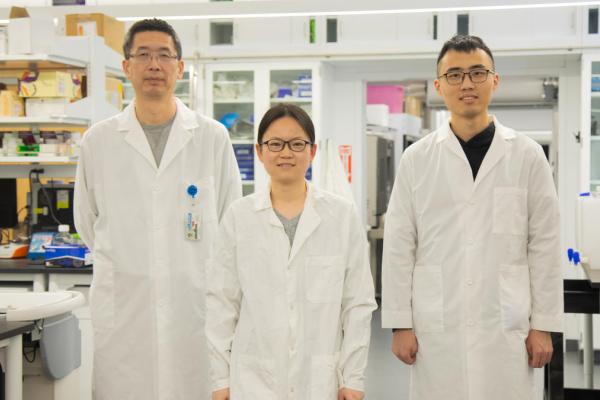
[(476, 148)]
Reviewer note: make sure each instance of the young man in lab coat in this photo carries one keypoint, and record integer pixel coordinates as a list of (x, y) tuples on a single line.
[(472, 283), (152, 183)]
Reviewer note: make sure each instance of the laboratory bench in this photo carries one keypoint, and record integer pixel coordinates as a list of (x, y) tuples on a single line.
[(581, 296), (22, 273)]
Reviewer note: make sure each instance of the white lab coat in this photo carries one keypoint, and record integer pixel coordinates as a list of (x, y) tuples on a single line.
[(472, 265), (147, 295), (289, 323)]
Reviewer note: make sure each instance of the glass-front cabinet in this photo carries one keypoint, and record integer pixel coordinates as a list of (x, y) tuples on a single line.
[(231, 101), (590, 133), (238, 95)]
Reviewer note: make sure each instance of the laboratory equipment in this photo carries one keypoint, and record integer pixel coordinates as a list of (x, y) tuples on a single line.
[(380, 175), (57, 331), (8, 203), (51, 205)]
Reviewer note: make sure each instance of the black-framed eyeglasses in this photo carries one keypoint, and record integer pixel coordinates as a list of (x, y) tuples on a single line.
[(144, 57), (477, 75), (295, 145)]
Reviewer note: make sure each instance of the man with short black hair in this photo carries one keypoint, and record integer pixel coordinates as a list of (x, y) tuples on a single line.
[(472, 281), (152, 183)]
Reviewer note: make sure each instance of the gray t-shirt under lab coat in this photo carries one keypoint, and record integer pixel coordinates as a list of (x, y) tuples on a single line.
[(289, 225), (157, 136)]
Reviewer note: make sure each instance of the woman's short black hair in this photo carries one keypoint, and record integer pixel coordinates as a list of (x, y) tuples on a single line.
[(465, 44), (150, 25), (286, 110)]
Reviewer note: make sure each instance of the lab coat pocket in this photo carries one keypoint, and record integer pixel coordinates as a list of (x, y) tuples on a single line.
[(515, 297), (428, 298), (324, 279), (102, 296), (256, 378), (510, 211), (323, 378)]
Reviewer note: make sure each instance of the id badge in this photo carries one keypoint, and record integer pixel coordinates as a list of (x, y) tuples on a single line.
[(193, 223), (193, 215)]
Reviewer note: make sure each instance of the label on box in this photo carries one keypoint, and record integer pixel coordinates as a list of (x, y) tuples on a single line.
[(62, 199), (87, 28)]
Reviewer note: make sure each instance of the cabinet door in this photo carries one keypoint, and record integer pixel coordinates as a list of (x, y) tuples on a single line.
[(262, 32), (232, 95), (548, 27), (368, 29), (590, 118)]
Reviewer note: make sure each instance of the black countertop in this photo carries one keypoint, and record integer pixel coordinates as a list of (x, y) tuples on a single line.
[(24, 266), (12, 329)]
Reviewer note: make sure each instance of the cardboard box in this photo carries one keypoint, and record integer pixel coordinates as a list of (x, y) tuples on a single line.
[(413, 106), (44, 107), (114, 92), (97, 24), (27, 35), (11, 105), (50, 84)]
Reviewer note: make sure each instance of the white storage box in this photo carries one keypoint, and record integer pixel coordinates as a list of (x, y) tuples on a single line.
[(46, 106), (28, 35), (378, 114)]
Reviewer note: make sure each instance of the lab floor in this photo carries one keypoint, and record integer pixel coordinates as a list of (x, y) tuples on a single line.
[(387, 377)]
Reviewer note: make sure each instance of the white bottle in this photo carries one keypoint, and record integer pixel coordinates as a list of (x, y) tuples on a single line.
[(63, 236)]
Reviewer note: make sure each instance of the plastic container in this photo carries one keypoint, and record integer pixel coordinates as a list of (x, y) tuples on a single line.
[(63, 236)]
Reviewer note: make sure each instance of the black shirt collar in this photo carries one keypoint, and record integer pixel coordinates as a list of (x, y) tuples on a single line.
[(482, 139)]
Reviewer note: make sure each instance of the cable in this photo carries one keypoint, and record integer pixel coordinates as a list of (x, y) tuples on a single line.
[(37, 173), (26, 354)]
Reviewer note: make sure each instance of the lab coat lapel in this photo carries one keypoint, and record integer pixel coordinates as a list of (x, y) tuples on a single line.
[(309, 221), (495, 153), (262, 203), (181, 133), (452, 144), (135, 136)]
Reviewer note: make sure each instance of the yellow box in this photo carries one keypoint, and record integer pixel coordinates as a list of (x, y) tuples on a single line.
[(99, 24), (114, 92), (50, 84), (11, 105)]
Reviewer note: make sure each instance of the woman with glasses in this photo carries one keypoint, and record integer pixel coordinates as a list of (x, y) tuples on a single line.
[(290, 292)]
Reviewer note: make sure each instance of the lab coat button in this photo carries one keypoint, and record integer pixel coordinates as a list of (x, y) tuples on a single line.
[(470, 322), (469, 282)]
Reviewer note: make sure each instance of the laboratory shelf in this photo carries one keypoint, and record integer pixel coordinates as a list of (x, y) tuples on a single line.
[(595, 138), (39, 62), (242, 141), (234, 101), (247, 182), (37, 160), (595, 94), (291, 100), (56, 120)]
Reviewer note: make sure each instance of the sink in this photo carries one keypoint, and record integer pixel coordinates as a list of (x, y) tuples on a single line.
[(32, 306)]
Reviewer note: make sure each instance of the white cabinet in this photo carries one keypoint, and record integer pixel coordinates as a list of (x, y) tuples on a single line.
[(556, 27), (368, 29), (239, 94), (590, 120), (262, 31)]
